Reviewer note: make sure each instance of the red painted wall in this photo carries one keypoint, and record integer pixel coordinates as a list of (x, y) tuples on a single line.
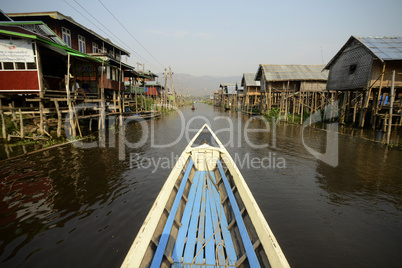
[(153, 91), (19, 80)]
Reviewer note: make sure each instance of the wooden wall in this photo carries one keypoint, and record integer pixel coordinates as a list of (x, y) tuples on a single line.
[(343, 77)]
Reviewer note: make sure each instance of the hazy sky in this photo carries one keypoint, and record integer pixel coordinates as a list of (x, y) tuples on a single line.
[(227, 38)]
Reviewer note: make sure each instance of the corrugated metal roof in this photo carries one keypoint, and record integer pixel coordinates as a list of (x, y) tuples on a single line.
[(36, 28), (248, 80), (225, 85), (385, 48), (292, 72), (231, 90), (59, 16)]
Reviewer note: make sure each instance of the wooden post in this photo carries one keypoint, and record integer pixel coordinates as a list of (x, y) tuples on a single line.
[(302, 107), (41, 117), (343, 115), (121, 105), (70, 109), (114, 101), (260, 103), (364, 107), (391, 106), (172, 87), (294, 106), (101, 123), (13, 116), (349, 105), (286, 101), (56, 104), (3, 123), (355, 108), (21, 124), (377, 102)]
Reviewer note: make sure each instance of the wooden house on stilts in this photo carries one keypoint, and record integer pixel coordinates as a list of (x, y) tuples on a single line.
[(63, 66), (361, 74), (252, 93), (292, 88)]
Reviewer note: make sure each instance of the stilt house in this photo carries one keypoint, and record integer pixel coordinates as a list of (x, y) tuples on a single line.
[(251, 91), (284, 86), (361, 73)]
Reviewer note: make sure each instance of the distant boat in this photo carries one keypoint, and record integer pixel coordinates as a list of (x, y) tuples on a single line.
[(205, 215)]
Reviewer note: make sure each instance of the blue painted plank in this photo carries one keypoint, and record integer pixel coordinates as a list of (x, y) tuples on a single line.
[(201, 229), (192, 230), (185, 221), (252, 258), (209, 248), (156, 262), (231, 253), (215, 222)]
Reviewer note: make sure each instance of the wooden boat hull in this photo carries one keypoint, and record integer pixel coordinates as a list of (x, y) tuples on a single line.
[(205, 214)]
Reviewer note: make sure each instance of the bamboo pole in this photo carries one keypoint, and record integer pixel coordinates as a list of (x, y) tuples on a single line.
[(101, 123), (355, 109), (70, 110), (3, 123), (121, 105), (376, 108), (41, 107), (391, 106), (21, 124), (56, 104)]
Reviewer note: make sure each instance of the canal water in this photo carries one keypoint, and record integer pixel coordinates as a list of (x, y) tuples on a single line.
[(331, 200)]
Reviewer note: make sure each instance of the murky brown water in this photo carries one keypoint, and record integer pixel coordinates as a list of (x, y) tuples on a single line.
[(75, 207)]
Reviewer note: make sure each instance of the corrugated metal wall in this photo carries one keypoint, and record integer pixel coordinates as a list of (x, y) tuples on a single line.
[(343, 76)]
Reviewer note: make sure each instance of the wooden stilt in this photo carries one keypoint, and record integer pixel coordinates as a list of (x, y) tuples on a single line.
[(21, 124), (301, 109), (3, 123), (355, 108), (391, 104), (69, 104), (41, 118), (56, 104)]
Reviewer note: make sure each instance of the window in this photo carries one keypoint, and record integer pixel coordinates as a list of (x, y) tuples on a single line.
[(20, 65), (352, 69), (8, 65), (66, 34), (31, 65), (95, 48), (81, 44)]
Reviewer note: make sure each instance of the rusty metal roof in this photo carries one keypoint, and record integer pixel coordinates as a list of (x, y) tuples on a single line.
[(273, 72)]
